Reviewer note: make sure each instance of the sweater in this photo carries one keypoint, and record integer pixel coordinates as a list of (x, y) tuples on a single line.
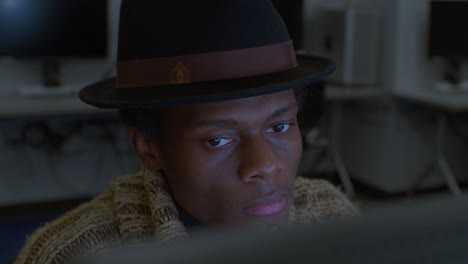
[(139, 206)]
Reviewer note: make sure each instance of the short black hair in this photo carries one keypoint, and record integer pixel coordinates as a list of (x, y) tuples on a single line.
[(148, 120), (145, 120)]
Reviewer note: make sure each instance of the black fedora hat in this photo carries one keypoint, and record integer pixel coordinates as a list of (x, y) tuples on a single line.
[(184, 51)]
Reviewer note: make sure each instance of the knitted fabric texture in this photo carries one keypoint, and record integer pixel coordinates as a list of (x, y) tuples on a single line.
[(139, 206)]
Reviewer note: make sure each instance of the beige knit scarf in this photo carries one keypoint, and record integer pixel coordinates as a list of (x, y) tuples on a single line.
[(139, 206), (158, 213)]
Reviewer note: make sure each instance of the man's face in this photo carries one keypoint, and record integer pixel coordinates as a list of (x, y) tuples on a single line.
[(233, 162)]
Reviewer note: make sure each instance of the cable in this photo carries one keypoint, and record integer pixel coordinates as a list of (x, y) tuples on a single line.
[(11, 179)]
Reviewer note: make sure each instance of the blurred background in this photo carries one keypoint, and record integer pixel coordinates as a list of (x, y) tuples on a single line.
[(390, 123)]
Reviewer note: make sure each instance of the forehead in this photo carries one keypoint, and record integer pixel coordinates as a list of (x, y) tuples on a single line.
[(246, 107)]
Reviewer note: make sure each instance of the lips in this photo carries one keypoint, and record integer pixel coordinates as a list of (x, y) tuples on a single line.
[(267, 205)]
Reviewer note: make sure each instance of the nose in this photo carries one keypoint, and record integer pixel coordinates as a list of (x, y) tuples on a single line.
[(258, 160)]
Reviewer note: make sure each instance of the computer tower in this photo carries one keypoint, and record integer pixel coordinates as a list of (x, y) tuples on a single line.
[(351, 38)]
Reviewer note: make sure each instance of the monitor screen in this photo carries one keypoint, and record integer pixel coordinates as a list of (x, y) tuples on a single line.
[(53, 28), (448, 29)]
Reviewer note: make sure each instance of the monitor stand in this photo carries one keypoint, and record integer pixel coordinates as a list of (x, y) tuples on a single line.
[(51, 82), (51, 73)]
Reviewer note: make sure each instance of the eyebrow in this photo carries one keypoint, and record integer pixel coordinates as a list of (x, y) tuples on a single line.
[(232, 122), (283, 110)]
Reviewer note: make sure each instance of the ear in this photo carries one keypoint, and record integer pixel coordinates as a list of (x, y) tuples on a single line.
[(148, 151)]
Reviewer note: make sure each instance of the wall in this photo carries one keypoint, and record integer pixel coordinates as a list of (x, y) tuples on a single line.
[(413, 69), (403, 49)]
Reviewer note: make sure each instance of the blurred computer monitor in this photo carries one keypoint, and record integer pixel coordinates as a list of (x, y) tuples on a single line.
[(433, 231), (54, 28)]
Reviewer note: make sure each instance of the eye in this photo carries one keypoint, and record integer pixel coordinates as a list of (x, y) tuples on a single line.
[(280, 128), (218, 142)]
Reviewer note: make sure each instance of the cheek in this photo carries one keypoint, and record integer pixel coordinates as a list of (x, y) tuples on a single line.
[(298, 147), (200, 181), (290, 150), (291, 159)]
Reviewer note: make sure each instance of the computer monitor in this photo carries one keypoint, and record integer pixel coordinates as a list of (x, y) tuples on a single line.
[(432, 231), (447, 36), (52, 31), (53, 28), (448, 29)]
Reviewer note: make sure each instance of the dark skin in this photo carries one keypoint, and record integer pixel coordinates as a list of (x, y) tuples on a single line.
[(231, 162)]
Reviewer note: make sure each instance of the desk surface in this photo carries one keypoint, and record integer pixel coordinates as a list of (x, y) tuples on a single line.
[(13, 106), (449, 101), (337, 93)]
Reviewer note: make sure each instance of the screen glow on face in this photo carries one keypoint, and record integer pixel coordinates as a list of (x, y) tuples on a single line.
[(233, 162)]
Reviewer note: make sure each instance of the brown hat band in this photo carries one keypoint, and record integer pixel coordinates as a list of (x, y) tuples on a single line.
[(206, 66)]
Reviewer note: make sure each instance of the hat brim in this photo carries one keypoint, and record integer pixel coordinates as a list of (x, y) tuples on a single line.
[(103, 94)]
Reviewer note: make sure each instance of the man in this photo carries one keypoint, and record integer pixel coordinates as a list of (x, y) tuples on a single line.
[(210, 93)]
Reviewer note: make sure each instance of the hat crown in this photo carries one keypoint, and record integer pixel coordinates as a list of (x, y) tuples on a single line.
[(155, 29)]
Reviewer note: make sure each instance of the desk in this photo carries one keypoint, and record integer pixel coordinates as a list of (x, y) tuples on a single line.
[(454, 102), (442, 103), (335, 96), (338, 93), (16, 106)]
